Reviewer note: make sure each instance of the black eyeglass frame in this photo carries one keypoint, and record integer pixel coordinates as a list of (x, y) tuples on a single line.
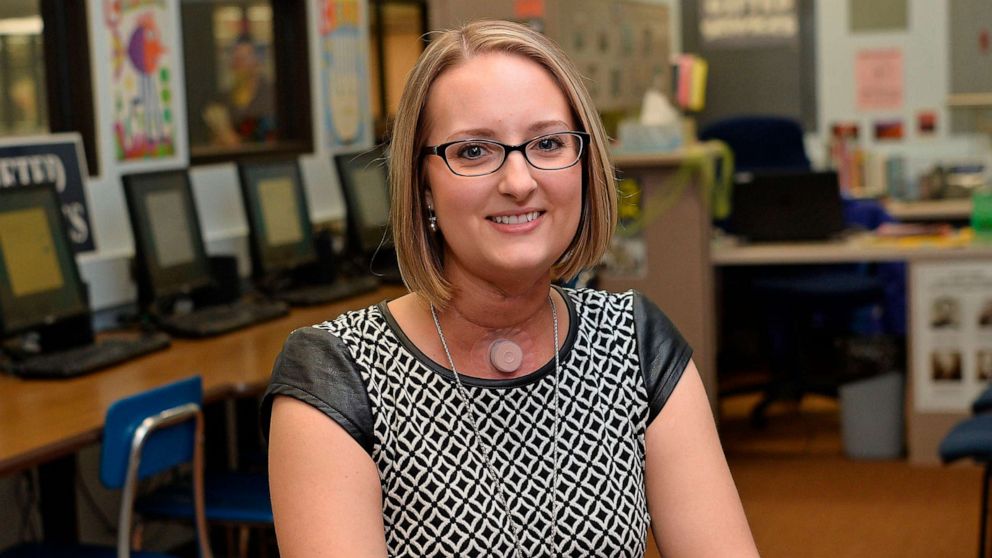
[(440, 151)]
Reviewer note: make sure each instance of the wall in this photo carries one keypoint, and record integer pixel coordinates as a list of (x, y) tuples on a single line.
[(777, 79), (925, 45), (215, 189)]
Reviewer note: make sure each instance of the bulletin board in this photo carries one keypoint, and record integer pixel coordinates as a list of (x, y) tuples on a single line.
[(782, 69), (621, 47), (951, 321)]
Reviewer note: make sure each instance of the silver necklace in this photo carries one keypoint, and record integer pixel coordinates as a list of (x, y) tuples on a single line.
[(487, 454)]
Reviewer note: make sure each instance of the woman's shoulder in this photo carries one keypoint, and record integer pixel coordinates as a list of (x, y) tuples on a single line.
[(352, 323), (588, 299), (313, 347)]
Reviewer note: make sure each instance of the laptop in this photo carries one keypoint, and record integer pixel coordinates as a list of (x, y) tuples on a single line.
[(787, 206)]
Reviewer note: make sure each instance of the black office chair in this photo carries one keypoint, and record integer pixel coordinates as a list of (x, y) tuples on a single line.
[(799, 304)]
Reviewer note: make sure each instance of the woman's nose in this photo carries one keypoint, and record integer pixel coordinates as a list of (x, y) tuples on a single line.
[(517, 179)]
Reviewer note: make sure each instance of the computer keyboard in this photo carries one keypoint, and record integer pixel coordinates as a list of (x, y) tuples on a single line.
[(87, 358), (222, 318), (328, 292)]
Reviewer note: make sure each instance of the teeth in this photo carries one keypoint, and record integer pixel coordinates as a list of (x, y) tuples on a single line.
[(516, 219)]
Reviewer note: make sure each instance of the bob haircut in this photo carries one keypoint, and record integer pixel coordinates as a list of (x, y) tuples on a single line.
[(419, 251)]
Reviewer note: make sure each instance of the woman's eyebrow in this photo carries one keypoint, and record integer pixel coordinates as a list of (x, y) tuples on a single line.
[(471, 133), (545, 125), (487, 133)]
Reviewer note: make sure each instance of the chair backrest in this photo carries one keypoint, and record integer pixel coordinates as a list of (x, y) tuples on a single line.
[(163, 449), (761, 142), (148, 433)]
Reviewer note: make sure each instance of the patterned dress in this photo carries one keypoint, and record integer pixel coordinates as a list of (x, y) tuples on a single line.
[(620, 361)]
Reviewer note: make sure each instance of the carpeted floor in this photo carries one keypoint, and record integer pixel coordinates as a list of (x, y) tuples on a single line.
[(805, 499)]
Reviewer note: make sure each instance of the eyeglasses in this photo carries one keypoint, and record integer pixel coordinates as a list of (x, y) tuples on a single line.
[(479, 157)]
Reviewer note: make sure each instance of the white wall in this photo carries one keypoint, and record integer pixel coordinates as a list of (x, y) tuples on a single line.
[(925, 45)]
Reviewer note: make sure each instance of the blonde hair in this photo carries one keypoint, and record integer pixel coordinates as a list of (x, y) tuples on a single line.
[(418, 250)]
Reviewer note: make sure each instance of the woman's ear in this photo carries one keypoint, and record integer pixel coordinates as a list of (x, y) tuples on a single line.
[(429, 198)]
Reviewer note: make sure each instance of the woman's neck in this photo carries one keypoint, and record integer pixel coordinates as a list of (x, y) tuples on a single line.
[(481, 313)]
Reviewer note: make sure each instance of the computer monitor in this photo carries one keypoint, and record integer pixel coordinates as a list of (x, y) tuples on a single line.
[(787, 206), (170, 257), (364, 179), (40, 285), (280, 235)]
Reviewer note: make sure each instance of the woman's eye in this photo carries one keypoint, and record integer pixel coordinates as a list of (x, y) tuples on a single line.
[(472, 151), (549, 143)]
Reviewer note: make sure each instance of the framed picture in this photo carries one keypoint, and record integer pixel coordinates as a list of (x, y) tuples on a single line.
[(136, 53), (343, 74)]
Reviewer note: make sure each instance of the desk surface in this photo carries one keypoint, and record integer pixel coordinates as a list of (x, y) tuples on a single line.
[(46, 419), (727, 251), (930, 210)]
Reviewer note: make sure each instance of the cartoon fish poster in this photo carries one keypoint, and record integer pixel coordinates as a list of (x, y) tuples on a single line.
[(344, 73), (140, 42)]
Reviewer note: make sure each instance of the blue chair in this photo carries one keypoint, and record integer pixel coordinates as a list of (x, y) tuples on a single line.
[(233, 499), (761, 142), (797, 302), (983, 403), (972, 438), (144, 435)]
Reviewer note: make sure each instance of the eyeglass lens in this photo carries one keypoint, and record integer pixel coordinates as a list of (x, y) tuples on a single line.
[(478, 157)]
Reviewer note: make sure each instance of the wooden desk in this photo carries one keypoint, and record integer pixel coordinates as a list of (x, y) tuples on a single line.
[(727, 251), (43, 420), (924, 429), (930, 210)]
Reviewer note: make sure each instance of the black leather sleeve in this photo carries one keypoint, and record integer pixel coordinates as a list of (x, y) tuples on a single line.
[(316, 368), (663, 352)]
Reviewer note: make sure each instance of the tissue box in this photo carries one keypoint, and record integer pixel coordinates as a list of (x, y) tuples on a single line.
[(639, 138)]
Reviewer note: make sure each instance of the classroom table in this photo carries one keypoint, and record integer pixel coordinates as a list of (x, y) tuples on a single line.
[(45, 422), (47, 419), (924, 430)]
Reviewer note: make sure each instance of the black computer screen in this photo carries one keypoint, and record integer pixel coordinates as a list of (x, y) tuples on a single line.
[(276, 206), (169, 252), (364, 179), (39, 280)]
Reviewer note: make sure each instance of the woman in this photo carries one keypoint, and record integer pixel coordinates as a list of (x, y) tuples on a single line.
[(488, 413)]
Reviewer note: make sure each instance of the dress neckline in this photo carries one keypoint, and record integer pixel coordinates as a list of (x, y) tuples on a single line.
[(519, 381)]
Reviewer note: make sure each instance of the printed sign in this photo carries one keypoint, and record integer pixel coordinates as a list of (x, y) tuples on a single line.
[(748, 24), (56, 158), (951, 334), (879, 75)]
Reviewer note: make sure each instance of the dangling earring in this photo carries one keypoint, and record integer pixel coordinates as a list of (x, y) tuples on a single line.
[(432, 220)]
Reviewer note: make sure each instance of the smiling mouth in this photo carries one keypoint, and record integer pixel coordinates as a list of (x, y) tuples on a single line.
[(516, 219)]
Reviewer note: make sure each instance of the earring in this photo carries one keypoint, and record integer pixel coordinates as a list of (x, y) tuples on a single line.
[(432, 220)]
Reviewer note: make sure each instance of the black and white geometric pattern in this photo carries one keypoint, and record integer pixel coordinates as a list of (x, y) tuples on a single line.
[(438, 499)]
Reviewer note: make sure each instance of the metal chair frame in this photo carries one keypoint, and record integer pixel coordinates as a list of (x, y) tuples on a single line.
[(164, 419)]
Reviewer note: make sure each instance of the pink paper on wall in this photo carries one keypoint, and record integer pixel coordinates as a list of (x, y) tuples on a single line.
[(879, 79)]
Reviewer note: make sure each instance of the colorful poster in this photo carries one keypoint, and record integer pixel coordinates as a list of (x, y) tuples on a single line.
[(344, 73), (951, 337), (879, 79), (56, 159), (142, 47)]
